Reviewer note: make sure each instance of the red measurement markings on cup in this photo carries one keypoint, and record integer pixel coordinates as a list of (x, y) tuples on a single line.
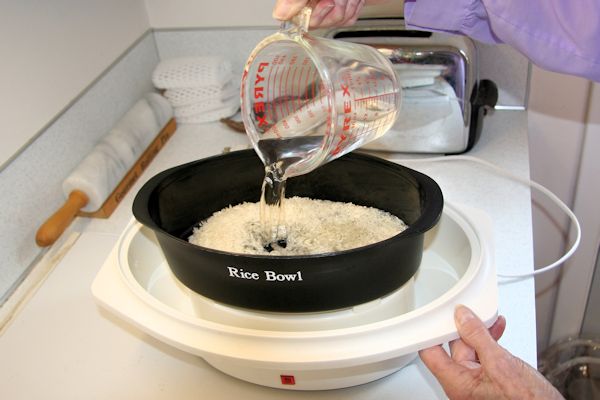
[(270, 112), (315, 77), (279, 98), (273, 83), (274, 100), (378, 122), (373, 101), (309, 90), (282, 98), (294, 100), (302, 85), (291, 101), (289, 89), (295, 85)]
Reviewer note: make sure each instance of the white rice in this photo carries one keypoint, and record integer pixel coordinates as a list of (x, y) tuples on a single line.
[(313, 227)]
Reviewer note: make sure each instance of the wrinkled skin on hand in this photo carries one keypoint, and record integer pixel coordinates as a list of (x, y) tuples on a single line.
[(479, 368), (326, 13)]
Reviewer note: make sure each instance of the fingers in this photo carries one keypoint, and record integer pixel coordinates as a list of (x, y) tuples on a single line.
[(474, 333), (445, 370), (320, 12), (436, 359), (459, 372), (497, 330), (344, 12), (326, 13), (463, 353), (353, 11), (286, 9), (354, 17)]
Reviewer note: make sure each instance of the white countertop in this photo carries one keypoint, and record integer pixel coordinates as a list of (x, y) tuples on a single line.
[(62, 346)]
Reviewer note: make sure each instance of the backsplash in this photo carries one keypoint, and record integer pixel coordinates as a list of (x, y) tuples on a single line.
[(32, 182), (509, 69), (499, 63)]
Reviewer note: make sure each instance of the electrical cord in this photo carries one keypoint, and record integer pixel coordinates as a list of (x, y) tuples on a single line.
[(502, 172)]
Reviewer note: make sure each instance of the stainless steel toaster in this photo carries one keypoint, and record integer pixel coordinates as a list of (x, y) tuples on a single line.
[(443, 102)]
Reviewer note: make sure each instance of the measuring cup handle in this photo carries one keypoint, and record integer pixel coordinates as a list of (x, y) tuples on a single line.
[(301, 21)]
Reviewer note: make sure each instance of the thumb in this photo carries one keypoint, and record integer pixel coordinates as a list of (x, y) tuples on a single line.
[(474, 333), (286, 9)]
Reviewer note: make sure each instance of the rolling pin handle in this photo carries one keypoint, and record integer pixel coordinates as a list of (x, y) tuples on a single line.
[(54, 226)]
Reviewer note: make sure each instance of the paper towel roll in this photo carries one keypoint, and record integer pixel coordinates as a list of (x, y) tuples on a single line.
[(229, 108), (207, 105), (161, 106)]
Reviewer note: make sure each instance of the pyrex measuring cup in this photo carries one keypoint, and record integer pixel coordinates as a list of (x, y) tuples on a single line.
[(309, 100)]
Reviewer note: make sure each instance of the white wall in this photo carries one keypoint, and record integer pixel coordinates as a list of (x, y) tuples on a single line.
[(572, 300), (232, 13), (557, 111), (209, 14), (51, 51)]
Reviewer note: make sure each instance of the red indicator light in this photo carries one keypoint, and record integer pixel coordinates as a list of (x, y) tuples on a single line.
[(288, 380)]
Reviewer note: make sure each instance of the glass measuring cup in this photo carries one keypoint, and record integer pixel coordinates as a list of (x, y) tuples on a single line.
[(309, 100)]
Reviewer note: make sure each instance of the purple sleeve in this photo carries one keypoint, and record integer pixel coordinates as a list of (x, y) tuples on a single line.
[(558, 35)]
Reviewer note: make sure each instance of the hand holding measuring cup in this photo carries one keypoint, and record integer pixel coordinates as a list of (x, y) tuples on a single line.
[(326, 13), (308, 100)]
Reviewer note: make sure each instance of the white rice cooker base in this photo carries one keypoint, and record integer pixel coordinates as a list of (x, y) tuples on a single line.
[(310, 351)]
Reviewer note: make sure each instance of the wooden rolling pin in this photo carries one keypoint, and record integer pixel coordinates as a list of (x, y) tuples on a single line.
[(97, 185)]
